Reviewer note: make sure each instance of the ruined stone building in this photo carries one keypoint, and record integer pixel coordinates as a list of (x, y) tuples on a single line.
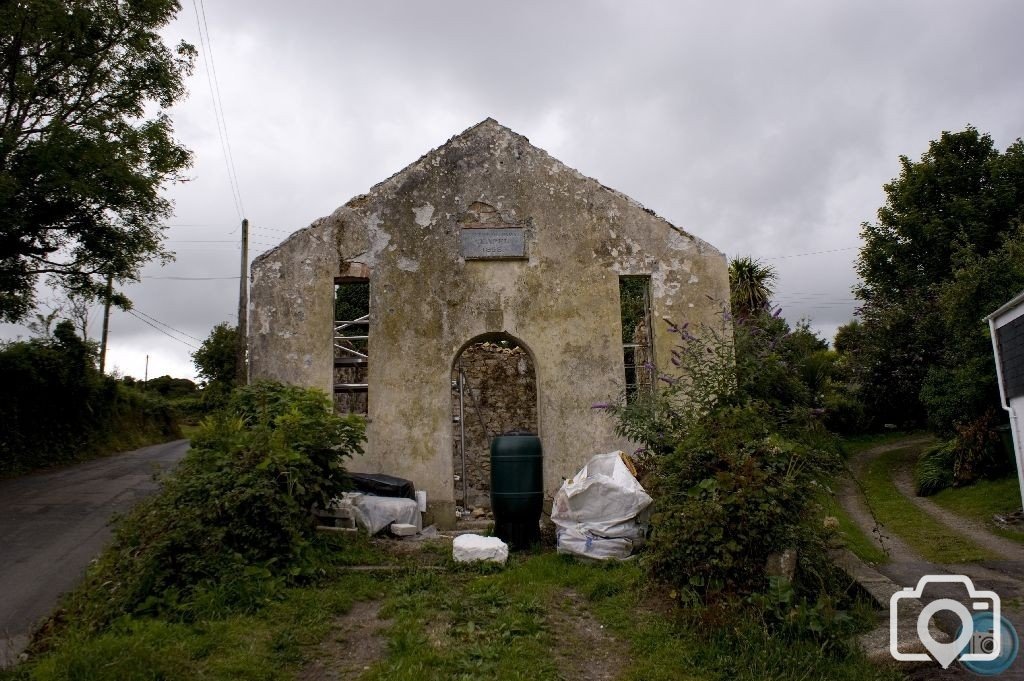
[(484, 288)]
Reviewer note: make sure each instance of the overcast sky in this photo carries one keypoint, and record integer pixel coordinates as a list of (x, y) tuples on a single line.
[(767, 129)]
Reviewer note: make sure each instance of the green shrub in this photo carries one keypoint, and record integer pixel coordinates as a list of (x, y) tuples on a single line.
[(232, 524), (735, 447), (731, 494), (934, 469), (56, 407)]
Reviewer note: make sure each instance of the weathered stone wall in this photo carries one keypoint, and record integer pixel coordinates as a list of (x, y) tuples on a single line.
[(499, 396), (427, 301)]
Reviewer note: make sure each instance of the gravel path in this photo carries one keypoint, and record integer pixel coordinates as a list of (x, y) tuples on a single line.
[(906, 567), (1007, 549)]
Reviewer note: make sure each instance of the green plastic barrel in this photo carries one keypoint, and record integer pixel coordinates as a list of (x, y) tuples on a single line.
[(517, 488)]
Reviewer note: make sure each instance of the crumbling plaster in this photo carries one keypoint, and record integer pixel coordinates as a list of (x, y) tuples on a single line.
[(427, 302)]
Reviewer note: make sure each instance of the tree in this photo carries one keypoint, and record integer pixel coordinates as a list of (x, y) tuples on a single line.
[(751, 283), (85, 145), (934, 264), (216, 358)]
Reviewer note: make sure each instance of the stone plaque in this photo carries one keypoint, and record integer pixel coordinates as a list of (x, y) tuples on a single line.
[(493, 244)]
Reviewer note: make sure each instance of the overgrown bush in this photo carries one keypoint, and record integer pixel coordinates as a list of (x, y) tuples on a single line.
[(736, 449), (732, 493), (232, 523), (976, 452), (56, 407)]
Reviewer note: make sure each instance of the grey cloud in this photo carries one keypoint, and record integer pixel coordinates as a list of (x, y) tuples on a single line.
[(765, 128)]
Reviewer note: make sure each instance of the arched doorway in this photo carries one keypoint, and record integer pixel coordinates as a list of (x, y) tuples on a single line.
[(494, 391)]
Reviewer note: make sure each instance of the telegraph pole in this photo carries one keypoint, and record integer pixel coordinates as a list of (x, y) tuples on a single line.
[(241, 369), (106, 322)]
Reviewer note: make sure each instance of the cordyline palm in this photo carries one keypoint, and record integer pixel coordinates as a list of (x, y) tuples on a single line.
[(752, 284)]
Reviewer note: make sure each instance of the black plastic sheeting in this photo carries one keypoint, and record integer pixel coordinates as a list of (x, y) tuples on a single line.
[(382, 485)]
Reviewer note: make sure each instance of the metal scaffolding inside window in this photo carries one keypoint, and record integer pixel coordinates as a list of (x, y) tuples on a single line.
[(351, 345), (637, 337)]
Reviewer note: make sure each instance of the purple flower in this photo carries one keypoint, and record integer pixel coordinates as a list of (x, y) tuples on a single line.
[(648, 366), (601, 405), (639, 451), (667, 379)]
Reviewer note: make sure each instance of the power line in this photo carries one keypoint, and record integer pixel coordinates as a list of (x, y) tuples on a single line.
[(218, 105), (145, 321), (202, 241), (154, 319), (799, 255), (192, 278)]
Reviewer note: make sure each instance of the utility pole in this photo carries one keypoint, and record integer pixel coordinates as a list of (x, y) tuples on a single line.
[(106, 322), (241, 369), (145, 376)]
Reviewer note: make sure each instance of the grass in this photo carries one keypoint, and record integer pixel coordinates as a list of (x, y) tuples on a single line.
[(863, 546), (982, 500), (859, 443), (928, 537), (188, 430), (459, 622)]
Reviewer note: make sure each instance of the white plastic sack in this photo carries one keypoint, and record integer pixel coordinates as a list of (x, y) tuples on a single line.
[(604, 498), (574, 542), (374, 513), (601, 502), (468, 548)]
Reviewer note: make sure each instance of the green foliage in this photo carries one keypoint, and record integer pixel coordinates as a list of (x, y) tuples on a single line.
[(735, 443), (931, 539), (732, 493), (352, 300), (633, 305), (784, 611), (231, 526), (172, 388), (56, 407), (946, 251), (527, 621), (961, 385), (85, 145), (934, 470), (751, 285), (216, 362)]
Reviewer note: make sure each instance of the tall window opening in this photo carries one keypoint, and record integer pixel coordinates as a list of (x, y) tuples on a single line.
[(637, 336), (351, 345)]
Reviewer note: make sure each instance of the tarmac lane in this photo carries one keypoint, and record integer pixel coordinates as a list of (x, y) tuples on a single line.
[(53, 523)]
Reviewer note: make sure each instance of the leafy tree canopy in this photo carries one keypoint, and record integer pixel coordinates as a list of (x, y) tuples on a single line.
[(216, 358), (963, 193), (943, 254), (85, 146)]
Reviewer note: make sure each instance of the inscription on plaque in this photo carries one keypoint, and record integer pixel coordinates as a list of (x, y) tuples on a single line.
[(493, 244)]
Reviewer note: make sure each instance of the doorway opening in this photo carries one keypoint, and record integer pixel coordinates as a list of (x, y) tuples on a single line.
[(494, 391)]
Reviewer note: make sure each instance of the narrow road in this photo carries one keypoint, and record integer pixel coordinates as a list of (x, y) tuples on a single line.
[(53, 523)]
